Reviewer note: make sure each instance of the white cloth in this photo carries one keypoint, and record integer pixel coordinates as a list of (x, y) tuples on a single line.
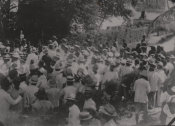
[(170, 67), (170, 116), (110, 123), (73, 119), (24, 69), (6, 101), (42, 82), (68, 91), (51, 53), (141, 88), (89, 104), (162, 76), (23, 86), (34, 57), (153, 79), (5, 69)]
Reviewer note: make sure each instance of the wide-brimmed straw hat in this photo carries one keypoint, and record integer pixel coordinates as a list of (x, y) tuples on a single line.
[(16, 55), (41, 94), (108, 110), (85, 116), (71, 97), (7, 56), (34, 79)]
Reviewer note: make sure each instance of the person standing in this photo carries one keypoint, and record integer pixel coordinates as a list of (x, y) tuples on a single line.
[(162, 78), (141, 88), (153, 79)]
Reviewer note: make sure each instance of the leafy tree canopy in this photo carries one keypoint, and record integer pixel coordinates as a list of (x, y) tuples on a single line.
[(44, 18)]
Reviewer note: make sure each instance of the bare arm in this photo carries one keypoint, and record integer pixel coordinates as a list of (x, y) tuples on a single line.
[(13, 101)]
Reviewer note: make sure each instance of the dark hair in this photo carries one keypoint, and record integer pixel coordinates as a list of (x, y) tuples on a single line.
[(32, 61), (16, 83), (22, 77), (5, 85), (70, 83), (137, 62), (143, 77), (13, 74)]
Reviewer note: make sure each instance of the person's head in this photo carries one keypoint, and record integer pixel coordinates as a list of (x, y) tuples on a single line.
[(6, 85), (13, 74), (70, 80), (171, 104), (160, 65), (137, 62), (88, 81), (22, 77), (41, 94), (88, 93), (16, 83), (85, 118), (34, 79), (95, 68), (106, 113), (128, 63), (80, 72), (70, 100), (15, 57), (143, 75), (6, 58)]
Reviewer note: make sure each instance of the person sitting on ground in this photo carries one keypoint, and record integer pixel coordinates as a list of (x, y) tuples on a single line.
[(86, 119), (42, 105), (107, 115), (6, 101)]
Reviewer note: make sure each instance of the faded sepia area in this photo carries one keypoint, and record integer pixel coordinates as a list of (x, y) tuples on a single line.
[(87, 62)]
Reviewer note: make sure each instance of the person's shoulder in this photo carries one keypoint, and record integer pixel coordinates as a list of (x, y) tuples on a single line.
[(4, 93)]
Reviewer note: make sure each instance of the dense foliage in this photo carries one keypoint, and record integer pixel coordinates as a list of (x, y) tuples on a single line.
[(40, 19)]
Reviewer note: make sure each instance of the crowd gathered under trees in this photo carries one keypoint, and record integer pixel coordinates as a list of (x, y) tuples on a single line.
[(84, 84)]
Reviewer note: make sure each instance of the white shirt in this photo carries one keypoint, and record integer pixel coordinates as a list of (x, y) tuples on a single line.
[(162, 76), (110, 123), (73, 119), (30, 57), (170, 116), (169, 66), (89, 104)]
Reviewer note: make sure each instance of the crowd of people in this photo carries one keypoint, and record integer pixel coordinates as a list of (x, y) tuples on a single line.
[(85, 84)]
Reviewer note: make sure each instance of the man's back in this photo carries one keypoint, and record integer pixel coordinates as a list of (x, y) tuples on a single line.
[(142, 88)]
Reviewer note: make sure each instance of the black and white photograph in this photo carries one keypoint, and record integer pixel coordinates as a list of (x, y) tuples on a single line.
[(87, 62)]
